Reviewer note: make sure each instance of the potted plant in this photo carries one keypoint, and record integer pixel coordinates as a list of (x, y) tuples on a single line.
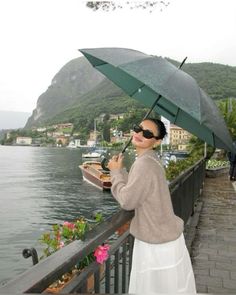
[(216, 167), (63, 234)]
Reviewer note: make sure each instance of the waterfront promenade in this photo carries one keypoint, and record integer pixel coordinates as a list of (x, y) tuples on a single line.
[(213, 245)]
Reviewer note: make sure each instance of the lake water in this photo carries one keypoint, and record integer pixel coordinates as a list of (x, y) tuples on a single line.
[(40, 187)]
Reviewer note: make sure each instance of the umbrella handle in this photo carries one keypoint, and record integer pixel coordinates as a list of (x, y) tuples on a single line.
[(104, 160), (104, 164)]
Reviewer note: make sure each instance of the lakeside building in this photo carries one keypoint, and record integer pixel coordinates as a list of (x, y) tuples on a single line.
[(41, 129), (62, 140), (23, 140), (63, 125), (179, 137), (77, 142), (100, 119), (116, 116), (120, 137), (93, 135), (91, 143)]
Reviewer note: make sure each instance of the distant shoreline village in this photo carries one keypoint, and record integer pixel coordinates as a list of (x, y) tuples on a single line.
[(63, 135)]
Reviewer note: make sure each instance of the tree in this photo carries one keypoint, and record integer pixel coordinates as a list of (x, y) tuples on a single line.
[(134, 116), (105, 127), (59, 142), (196, 148), (227, 108), (106, 118), (106, 132), (112, 5)]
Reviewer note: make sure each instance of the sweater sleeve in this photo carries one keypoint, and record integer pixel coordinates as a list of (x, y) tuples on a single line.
[(132, 193)]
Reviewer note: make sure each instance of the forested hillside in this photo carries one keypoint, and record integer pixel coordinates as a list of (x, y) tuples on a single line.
[(218, 81), (79, 93)]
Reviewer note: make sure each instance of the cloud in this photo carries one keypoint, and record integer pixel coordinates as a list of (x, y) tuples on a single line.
[(39, 37)]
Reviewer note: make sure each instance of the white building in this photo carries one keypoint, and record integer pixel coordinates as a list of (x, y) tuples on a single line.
[(166, 139), (21, 140), (77, 142)]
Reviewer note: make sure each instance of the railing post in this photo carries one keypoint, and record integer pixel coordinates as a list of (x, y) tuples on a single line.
[(108, 276), (31, 253), (124, 266), (116, 283)]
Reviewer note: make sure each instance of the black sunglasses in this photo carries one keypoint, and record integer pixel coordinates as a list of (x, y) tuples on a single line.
[(146, 133)]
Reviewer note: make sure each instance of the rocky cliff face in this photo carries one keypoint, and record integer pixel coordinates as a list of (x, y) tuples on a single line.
[(76, 78)]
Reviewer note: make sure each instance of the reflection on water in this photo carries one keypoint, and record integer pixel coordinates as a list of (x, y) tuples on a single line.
[(39, 187)]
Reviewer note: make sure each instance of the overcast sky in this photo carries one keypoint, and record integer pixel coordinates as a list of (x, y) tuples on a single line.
[(38, 37)]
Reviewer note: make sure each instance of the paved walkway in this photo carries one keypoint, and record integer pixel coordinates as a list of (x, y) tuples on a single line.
[(213, 250)]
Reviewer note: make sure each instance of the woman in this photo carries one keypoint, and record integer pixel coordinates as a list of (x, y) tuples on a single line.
[(232, 161), (161, 262)]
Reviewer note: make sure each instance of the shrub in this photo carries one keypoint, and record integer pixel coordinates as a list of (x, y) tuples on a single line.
[(63, 234), (213, 163), (174, 169)]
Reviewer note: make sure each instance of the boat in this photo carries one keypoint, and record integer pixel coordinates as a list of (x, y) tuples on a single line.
[(72, 145), (92, 155), (96, 153), (94, 174)]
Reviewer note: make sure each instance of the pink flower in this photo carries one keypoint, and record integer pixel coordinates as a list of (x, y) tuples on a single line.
[(61, 245), (70, 225), (101, 253)]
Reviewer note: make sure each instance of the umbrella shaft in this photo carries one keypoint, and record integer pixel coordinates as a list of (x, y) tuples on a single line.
[(127, 144), (151, 109)]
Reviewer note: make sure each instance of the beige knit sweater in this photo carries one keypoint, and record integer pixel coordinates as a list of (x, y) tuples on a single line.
[(146, 191)]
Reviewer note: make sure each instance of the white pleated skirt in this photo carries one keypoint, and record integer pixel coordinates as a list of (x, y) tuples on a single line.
[(161, 268)]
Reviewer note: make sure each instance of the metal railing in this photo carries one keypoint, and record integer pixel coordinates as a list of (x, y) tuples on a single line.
[(110, 278), (186, 188), (114, 275)]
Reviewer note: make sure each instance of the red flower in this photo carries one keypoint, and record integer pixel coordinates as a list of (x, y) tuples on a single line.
[(101, 253), (70, 225)]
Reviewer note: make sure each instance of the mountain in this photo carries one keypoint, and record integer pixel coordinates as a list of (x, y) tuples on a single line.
[(217, 80), (106, 97), (13, 120), (78, 92), (69, 84)]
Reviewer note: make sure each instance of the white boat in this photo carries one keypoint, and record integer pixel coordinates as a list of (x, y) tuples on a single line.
[(92, 155), (71, 145), (96, 152)]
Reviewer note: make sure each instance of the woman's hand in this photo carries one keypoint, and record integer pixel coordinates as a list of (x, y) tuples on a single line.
[(116, 162)]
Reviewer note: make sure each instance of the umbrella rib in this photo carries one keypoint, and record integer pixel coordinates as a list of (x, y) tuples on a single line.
[(176, 116), (166, 110), (213, 137), (153, 106)]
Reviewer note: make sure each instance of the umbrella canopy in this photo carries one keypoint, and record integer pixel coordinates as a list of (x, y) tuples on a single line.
[(180, 99)]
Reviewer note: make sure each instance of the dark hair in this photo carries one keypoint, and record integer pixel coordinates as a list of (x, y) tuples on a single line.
[(160, 126)]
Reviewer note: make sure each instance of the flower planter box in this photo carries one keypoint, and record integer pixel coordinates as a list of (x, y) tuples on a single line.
[(58, 286), (215, 172)]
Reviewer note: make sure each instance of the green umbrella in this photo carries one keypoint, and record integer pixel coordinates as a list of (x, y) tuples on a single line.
[(152, 80)]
